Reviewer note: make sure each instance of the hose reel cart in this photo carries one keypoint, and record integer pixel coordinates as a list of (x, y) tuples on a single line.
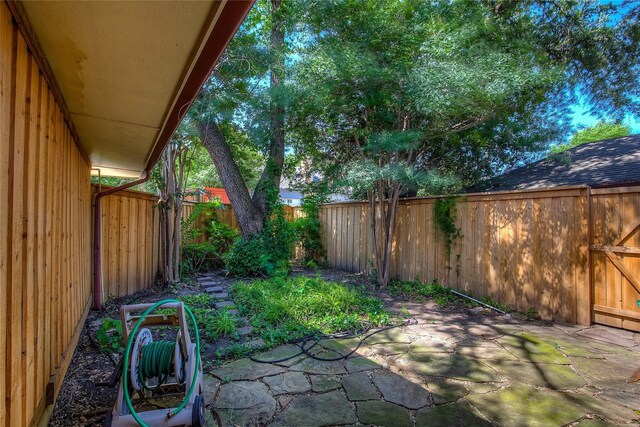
[(159, 368)]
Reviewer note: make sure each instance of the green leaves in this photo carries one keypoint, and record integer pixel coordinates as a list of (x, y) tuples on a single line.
[(109, 335), (394, 141)]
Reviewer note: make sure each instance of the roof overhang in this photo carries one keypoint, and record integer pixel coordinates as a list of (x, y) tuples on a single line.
[(127, 72)]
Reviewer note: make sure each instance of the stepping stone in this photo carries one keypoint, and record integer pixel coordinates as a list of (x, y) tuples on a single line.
[(284, 400), (214, 289), (558, 377), (397, 389), (358, 364), (210, 386), (245, 403), (314, 366), (322, 383), (359, 387), (245, 330), (233, 312), (457, 414), (528, 347), (223, 304), (221, 295), (446, 391), (290, 352), (256, 343), (383, 414), (245, 369), (288, 383), (317, 410), (609, 337), (454, 366), (520, 404)]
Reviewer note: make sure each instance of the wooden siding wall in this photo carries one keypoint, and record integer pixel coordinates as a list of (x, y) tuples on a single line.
[(130, 242), (525, 249), (45, 235)]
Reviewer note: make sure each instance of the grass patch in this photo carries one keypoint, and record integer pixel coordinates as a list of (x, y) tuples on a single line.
[(214, 323), (421, 291), (285, 309)]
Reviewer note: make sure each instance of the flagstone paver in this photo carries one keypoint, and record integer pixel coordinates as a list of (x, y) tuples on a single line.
[(452, 368), (314, 366), (511, 405), (245, 403), (245, 369), (317, 410), (359, 364), (322, 383), (289, 382), (454, 415), (446, 391), (383, 414), (359, 387), (557, 377), (397, 389)]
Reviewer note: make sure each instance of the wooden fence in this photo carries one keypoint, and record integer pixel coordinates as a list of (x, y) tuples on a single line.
[(615, 256), (130, 242), (527, 249), (131, 239), (45, 235)]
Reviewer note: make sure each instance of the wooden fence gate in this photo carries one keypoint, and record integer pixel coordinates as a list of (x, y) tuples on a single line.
[(615, 257)]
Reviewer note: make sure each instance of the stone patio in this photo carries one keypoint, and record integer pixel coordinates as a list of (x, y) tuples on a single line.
[(450, 368)]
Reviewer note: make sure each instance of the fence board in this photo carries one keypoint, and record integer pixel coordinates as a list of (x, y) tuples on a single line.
[(615, 299), (525, 249), (45, 199)]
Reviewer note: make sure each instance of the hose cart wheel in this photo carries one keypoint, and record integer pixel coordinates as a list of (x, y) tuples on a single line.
[(197, 414)]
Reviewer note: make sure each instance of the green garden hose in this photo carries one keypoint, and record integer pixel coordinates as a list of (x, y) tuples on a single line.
[(157, 363), (156, 360)]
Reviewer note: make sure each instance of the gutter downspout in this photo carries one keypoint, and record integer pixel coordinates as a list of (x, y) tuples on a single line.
[(97, 238)]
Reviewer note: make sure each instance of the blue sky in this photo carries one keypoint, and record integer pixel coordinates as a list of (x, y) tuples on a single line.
[(581, 117)]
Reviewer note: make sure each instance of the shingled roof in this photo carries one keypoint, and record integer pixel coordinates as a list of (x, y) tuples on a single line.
[(603, 163)]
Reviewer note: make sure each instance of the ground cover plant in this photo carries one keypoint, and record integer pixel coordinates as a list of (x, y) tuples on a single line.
[(421, 291), (212, 322), (287, 309)]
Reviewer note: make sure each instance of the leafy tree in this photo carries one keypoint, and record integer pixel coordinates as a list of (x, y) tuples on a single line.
[(248, 89), (597, 132), (394, 96), (246, 155)]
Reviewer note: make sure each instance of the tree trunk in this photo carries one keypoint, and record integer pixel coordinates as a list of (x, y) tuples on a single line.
[(250, 218), (383, 227), (167, 221), (272, 173)]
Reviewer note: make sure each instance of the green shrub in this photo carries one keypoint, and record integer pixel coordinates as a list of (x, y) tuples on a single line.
[(247, 257), (307, 227), (207, 256), (266, 254), (221, 235), (198, 257)]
